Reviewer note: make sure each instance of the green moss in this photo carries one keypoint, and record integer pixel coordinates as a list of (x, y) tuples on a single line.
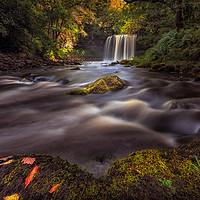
[(105, 84), (147, 174), (100, 86), (127, 65), (78, 92), (124, 62)]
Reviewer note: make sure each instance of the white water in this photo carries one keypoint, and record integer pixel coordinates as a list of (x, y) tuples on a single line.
[(119, 47), (39, 118)]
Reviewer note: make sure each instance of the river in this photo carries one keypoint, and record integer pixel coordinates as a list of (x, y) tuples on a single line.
[(154, 110)]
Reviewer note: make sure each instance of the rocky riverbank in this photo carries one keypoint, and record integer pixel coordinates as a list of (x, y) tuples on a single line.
[(181, 68), (13, 63), (147, 174)]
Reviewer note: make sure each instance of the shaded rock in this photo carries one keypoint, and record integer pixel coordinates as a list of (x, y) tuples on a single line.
[(114, 63), (76, 68), (197, 79), (146, 174), (180, 105), (43, 79), (28, 61), (102, 85), (78, 92), (124, 62), (64, 81), (24, 80)]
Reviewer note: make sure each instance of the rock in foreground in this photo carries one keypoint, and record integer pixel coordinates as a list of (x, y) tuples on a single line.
[(148, 174), (100, 86)]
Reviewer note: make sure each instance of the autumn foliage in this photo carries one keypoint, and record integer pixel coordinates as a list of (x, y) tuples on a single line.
[(30, 177)]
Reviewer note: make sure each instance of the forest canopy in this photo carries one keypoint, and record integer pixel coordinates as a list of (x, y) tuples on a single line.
[(56, 28)]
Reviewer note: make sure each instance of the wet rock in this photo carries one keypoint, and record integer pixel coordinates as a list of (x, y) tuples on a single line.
[(78, 92), (29, 61), (139, 175), (24, 80), (127, 65), (103, 157), (76, 68), (114, 63), (100, 86), (43, 79), (64, 81), (124, 62), (180, 105), (197, 79)]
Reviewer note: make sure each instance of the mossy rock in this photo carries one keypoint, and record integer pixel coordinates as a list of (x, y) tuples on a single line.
[(146, 174), (127, 65), (114, 63), (124, 62), (156, 66), (78, 92), (144, 64), (167, 69), (100, 86), (174, 174)]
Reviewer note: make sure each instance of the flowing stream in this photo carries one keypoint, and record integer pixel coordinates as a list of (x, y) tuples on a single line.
[(153, 111)]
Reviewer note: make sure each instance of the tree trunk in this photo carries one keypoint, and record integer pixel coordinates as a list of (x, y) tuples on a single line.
[(179, 20)]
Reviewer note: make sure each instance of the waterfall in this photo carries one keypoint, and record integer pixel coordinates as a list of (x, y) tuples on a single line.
[(119, 47)]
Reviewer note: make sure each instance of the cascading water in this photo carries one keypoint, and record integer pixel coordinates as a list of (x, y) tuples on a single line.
[(119, 47)]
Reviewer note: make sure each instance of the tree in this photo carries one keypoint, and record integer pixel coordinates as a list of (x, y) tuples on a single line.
[(184, 10)]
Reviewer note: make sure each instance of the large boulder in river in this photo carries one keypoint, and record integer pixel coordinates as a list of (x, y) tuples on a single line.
[(106, 84), (102, 85)]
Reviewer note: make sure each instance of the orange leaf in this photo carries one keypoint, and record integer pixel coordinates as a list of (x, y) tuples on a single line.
[(53, 188), (12, 197), (5, 158), (30, 177), (133, 169), (28, 160), (6, 163)]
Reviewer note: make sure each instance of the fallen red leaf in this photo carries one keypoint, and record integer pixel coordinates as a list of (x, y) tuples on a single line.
[(53, 188), (30, 177), (28, 160), (5, 158)]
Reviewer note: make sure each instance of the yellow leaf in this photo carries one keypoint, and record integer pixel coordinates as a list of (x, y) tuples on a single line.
[(12, 197), (6, 163)]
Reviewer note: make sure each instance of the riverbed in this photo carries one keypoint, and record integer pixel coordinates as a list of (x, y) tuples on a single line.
[(153, 111)]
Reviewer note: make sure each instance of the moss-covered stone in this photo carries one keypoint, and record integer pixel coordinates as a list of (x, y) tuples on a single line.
[(159, 167), (124, 62), (102, 85), (147, 174), (78, 92), (114, 63)]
